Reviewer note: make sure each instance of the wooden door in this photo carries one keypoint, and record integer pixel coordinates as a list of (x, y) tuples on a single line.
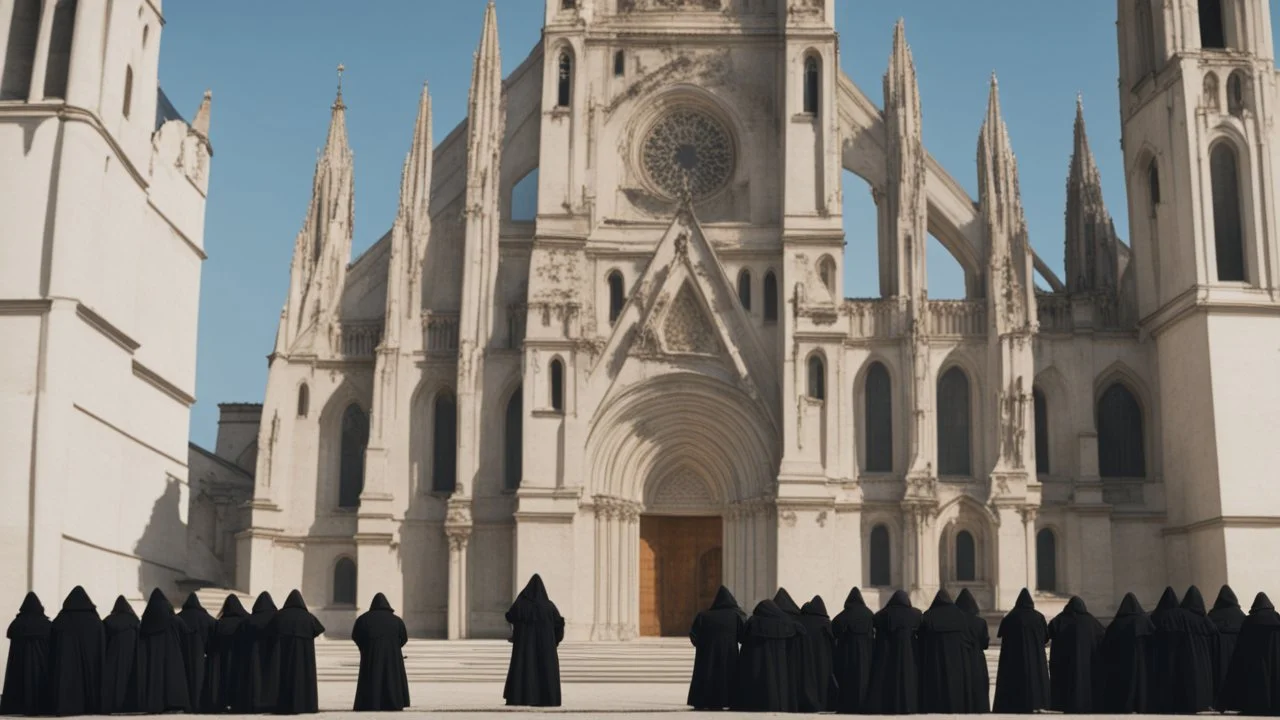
[(680, 571)]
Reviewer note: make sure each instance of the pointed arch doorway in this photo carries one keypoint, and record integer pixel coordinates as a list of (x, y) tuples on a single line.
[(681, 555)]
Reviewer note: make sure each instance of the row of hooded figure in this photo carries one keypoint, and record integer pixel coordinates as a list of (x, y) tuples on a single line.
[(899, 660)]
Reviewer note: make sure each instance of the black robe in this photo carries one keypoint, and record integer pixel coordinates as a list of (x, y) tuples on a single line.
[(979, 641), (1073, 659), (943, 651), (714, 634), (1253, 681), (26, 674), (817, 691), (853, 630), (220, 664), (1022, 678), (895, 678), (195, 645), (293, 632), (1199, 668), (1227, 616), (383, 683), (797, 648), (121, 692), (533, 677), (257, 681), (1123, 661), (162, 682), (77, 649), (765, 682)]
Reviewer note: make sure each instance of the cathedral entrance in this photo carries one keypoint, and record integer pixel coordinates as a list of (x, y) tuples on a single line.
[(680, 570)]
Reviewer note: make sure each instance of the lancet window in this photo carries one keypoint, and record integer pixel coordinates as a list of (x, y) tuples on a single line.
[(444, 444), (513, 445), (1121, 451), (355, 439), (880, 575), (1228, 221), (878, 420), (954, 424)]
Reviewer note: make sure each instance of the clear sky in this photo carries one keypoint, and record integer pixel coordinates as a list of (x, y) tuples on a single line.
[(271, 66)]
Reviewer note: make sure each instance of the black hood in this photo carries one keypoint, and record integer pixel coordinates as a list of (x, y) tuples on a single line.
[(231, 608), (192, 603), (725, 600), (1261, 603), (1130, 606), (942, 598), (264, 604), (1024, 601), (899, 599), (785, 603), (854, 600), (31, 605), (380, 603), (815, 607), (158, 616), (535, 591), (295, 601), (1193, 601), (78, 601), (1076, 606), (966, 602), (1226, 599), (122, 607), (1168, 601)]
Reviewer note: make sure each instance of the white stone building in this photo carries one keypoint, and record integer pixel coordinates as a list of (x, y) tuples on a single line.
[(102, 202), (655, 382)]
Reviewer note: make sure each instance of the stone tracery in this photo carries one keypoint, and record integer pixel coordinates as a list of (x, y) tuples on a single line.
[(689, 146)]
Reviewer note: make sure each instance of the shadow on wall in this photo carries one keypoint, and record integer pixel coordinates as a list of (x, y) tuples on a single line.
[(165, 531)]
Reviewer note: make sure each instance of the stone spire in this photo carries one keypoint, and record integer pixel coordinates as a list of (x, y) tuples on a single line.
[(409, 235), (201, 124), (1010, 262), (1092, 261)]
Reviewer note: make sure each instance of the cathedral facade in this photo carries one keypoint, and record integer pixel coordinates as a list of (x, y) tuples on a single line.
[(654, 384)]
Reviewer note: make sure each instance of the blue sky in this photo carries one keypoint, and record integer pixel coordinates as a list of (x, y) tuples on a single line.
[(271, 66)]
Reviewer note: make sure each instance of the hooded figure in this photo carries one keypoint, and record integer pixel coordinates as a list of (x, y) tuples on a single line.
[(797, 647), (852, 663), (1227, 616), (195, 644), (383, 683), (533, 678), (1073, 659), (257, 681), (1122, 660), (1022, 680), (293, 632), (162, 679), (26, 675), (895, 679), (979, 641), (1253, 680), (220, 676), (943, 651), (77, 648), (121, 672), (765, 681), (1198, 666), (817, 693), (714, 634)]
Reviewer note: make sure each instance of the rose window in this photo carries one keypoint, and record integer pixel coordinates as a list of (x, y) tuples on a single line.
[(688, 147)]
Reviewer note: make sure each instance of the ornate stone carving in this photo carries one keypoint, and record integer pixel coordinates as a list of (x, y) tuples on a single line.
[(627, 6), (788, 518), (1013, 421), (683, 490), (686, 328), (688, 150)]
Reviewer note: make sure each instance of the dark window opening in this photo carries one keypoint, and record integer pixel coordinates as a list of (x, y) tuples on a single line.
[(568, 4), (1121, 445), (513, 460), (444, 445), (617, 296), (966, 557), (344, 582), (304, 400), (770, 297), (128, 91), (1235, 93), (1228, 221), (20, 51), (879, 551), (953, 424), (619, 63), (744, 289), (557, 385), (1042, 432), (879, 420), (1153, 185), (1046, 561), (564, 93), (812, 86), (64, 27), (355, 439), (817, 378), (1213, 34)]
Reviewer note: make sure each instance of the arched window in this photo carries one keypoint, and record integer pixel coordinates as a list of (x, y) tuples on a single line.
[(1042, 431), (344, 582), (1213, 35), (355, 438), (64, 27), (20, 53), (817, 377), (953, 423), (966, 557), (564, 77), (128, 91), (770, 297), (744, 289), (1228, 225), (1121, 445), (444, 444), (879, 420), (557, 385), (827, 272), (619, 63), (617, 295), (812, 85), (1146, 40), (879, 557), (1235, 93), (1153, 185), (1046, 561), (1210, 91), (513, 445), (304, 400)]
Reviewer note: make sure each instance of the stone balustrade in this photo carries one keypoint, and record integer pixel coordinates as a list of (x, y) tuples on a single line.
[(442, 331), (360, 339)]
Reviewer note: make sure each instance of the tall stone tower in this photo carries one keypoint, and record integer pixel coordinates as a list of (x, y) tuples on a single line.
[(1197, 87)]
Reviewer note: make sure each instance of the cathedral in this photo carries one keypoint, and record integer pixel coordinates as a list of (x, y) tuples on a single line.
[(653, 383)]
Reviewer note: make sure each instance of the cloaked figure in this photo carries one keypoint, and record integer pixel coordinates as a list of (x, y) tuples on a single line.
[(1253, 681), (1227, 616), (1022, 679), (979, 641), (1123, 660), (1075, 636), (817, 686), (765, 681), (714, 635), (220, 663), (26, 674), (383, 683), (1181, 655), (162, 678), (195, 646), (797, 647), (895, 685), (533, 678), (293, 632), (853, 632), (77, 650), (257, 681), (121, 692), (1199, 665), (945, 636)]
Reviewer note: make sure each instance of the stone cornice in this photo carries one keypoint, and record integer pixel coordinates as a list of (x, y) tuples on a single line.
[(1224, 521), (154, 379), (1208, 298), (24, 306), (102, 325)]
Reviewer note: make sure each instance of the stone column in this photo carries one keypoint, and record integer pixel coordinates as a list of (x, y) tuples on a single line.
[(457, 529), (84, 75), (1029, 513), (631, 592), (41, 65), (599, 622)]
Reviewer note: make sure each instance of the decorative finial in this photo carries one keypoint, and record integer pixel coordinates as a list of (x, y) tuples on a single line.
[(338, 104)]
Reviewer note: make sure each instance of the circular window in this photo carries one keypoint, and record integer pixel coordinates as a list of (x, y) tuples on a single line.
[(688, 148)]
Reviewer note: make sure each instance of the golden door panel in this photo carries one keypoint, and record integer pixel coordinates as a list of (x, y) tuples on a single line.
[(680, 571)]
